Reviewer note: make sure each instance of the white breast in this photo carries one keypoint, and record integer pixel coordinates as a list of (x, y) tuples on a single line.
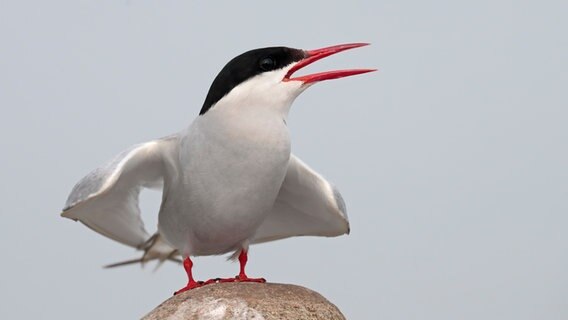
[(233, 165)]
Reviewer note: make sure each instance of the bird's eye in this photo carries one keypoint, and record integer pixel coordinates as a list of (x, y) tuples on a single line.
[(267, 64)]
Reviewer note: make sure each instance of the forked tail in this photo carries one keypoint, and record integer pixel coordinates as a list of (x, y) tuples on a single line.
[(154, 249)]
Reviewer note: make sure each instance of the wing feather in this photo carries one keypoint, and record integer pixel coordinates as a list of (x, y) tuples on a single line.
[(106, 200), (307, 205)]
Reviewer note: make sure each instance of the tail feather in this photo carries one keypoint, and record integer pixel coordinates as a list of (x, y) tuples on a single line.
[(155, 248)]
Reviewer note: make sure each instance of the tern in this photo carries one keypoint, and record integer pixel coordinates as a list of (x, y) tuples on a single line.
[(229, 180)]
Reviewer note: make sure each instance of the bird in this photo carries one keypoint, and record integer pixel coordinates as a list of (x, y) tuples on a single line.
[(229, 179)]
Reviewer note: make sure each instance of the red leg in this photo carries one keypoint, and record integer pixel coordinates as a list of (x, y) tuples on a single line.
[(191, 284), (242, 277)]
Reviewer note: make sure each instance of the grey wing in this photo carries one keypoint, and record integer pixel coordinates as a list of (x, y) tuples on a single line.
[(307, 205), (106, 200)]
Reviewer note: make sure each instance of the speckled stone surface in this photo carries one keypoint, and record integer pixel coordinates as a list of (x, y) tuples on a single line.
[(247, 301)]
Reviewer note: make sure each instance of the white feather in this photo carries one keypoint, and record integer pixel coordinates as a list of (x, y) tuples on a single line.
[(228, 180), (307, 205), (106, 200)]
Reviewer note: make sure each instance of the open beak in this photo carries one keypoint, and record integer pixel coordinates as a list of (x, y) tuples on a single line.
[(317, 54)]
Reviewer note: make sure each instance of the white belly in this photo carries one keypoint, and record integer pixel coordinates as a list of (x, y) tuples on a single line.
[(228, 185)]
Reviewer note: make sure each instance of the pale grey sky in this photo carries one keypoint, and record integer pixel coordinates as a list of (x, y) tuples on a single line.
[(452, 158)]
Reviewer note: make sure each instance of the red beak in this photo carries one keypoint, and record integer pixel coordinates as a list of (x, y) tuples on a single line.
[(317, 54)]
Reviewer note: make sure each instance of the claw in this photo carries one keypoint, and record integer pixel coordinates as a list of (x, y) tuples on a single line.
[(190, 285)]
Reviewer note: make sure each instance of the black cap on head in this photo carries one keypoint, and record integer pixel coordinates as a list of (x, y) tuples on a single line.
[(246, 66)]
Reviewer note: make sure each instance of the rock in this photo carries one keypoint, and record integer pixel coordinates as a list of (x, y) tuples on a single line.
[(247, 301)]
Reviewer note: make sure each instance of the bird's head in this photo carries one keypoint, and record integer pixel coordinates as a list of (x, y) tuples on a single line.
[(263, 78)]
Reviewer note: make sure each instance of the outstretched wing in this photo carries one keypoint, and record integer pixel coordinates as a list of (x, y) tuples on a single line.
[(106, 200), (307, 205)]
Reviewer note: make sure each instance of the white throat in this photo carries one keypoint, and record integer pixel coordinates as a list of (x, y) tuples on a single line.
[(264, 94)]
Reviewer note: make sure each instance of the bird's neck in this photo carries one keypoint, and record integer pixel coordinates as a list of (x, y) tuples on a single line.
[(253, 125)]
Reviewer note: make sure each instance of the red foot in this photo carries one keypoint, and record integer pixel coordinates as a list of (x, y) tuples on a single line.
[(191, 284), (241, 277)]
